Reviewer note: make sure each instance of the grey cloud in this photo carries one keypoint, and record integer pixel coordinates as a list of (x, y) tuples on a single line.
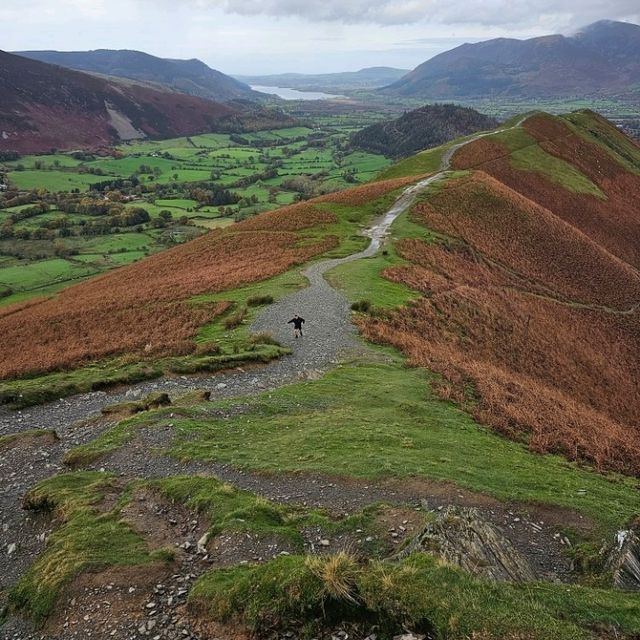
[(521, 13)]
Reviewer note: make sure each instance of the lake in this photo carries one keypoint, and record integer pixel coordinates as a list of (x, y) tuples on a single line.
[(294, 94)]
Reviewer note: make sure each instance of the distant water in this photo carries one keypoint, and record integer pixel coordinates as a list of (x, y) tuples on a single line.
[(294, 94)]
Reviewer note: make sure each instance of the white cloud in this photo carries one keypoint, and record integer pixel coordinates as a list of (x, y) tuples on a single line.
[(517, 13), (309, 36)]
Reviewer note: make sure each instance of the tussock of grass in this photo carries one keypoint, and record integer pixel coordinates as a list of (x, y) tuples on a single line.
[(259, 300), (417, 594), (338, 574), (264, 337), (235, 319), (150, 401), (11, 439)]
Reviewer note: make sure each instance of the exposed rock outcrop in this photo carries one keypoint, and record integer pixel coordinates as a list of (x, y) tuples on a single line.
[(460, 536), (624, 559)]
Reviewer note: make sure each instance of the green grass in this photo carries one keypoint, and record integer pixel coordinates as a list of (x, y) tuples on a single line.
[(588, 125), (381, 421), (527, 155), (34, 275), (363, 279), (52, 180), (49, 161), (276, 287), (176, 203), (352, 220), (227, 508), (427, 161), (88, 540), (418, 594)]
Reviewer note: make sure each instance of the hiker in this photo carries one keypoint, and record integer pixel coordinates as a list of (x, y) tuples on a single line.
[(297, 322)]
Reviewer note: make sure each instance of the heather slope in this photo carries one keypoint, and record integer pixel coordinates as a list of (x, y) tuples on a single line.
[(46, 107)]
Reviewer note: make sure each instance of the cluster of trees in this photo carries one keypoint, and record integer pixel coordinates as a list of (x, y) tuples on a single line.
[(212, 194), (115, 184), (429, 126), (307, 186)]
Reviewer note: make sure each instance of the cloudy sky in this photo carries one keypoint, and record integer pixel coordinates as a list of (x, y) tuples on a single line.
[(272, 36)]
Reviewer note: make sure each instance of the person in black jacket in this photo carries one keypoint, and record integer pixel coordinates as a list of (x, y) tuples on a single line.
[(297, 322)]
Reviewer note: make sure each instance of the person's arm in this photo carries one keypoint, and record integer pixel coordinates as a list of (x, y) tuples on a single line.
[(302, 320), (290, 321)]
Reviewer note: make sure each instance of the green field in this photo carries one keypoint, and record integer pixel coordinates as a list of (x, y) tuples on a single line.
[(260, 171)]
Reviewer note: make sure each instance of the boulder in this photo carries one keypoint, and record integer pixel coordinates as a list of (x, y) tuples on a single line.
[(461, 537)]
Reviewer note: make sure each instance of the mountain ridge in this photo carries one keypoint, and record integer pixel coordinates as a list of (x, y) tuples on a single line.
[(47, 106), (600, 59), (192, 77)]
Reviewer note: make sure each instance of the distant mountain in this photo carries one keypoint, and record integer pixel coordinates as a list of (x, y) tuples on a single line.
[(603, 58), (422, 128), (192, 77), (45, 106), (370, 78)]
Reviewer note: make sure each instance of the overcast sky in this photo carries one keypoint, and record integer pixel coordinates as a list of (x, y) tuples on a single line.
[(309, 36)]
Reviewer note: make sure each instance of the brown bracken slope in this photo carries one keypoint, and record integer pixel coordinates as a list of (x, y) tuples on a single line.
[(529, 310)]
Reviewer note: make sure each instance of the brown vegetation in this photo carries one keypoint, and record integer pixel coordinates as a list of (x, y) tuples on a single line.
[(613, 223), (144, 307), (367, 192), (531, 322)]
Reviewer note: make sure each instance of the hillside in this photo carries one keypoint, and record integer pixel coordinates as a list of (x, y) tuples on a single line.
[(532, 295), (428, 126), (477, 480), (191, 77), (601, 59), (369, 78), (44, 106)]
